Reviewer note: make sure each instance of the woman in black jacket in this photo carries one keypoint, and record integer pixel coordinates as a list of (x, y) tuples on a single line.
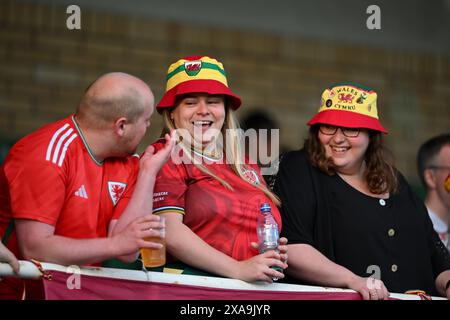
[(349, 214)]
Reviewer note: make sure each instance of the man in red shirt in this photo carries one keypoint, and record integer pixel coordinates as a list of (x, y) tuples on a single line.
[(62, 183)]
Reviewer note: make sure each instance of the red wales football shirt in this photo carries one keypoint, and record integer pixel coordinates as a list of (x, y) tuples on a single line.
[(52, 177), (223, 218)]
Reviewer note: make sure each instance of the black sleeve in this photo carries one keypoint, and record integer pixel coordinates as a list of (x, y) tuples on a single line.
[(298, 200), (440, 256)]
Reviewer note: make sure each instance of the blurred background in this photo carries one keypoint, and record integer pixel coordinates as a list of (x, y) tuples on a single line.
[(279, 56)]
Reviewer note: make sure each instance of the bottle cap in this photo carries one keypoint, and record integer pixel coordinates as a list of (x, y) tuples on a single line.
[(265, 207)]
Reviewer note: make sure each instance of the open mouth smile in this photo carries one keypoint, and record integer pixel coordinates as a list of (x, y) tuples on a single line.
[(203, 124)]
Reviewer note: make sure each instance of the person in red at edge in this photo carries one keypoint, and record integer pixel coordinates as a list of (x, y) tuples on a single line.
[(211, 202), (8, 257), (62, 183)]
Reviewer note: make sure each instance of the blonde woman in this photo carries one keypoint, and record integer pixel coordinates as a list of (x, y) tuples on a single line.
[(209, 192)]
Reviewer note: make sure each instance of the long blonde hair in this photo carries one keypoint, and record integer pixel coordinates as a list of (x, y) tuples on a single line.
[(232, 134)]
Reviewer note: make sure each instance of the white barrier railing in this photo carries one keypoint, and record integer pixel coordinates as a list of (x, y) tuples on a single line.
[(28, 270)]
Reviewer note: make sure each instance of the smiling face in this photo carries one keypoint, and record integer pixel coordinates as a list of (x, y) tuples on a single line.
[(347, 153), (203, 115)]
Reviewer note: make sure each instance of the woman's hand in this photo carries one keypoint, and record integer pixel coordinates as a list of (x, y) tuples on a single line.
[(258, 268), (283, 249), (263, 262), (369, 288), (447, 293), (153, 161)]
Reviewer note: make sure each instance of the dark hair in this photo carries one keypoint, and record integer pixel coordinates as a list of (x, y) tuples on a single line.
[(258, 120), (428, 152), (380, 173)]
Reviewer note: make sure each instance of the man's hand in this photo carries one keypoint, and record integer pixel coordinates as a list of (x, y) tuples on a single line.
[(131, 239)]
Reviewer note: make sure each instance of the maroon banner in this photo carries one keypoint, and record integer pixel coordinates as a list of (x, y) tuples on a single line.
[(100, 288)]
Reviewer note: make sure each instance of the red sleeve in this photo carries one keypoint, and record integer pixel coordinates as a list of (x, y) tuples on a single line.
[(37, 190)]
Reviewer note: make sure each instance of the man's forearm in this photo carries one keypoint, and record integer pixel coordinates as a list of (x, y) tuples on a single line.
[(68, 251)]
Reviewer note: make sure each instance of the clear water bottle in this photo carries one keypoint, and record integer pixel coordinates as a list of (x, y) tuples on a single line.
[(267, 231)]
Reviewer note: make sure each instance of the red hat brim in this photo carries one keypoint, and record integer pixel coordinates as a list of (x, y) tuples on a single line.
[(197, 86), (348, 119)]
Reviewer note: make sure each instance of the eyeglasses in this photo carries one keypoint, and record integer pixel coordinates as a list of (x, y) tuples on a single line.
[(331, 130)]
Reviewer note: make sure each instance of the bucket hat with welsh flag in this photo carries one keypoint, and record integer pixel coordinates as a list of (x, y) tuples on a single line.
[(196, 74)]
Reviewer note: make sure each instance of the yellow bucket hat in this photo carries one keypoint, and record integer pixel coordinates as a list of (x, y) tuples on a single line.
[(349, 105)]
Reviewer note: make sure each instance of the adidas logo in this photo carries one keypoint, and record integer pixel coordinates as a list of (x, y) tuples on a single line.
[(81, 192)]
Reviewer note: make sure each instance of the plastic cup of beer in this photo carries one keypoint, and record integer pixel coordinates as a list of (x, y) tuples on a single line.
[(155, 257)]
